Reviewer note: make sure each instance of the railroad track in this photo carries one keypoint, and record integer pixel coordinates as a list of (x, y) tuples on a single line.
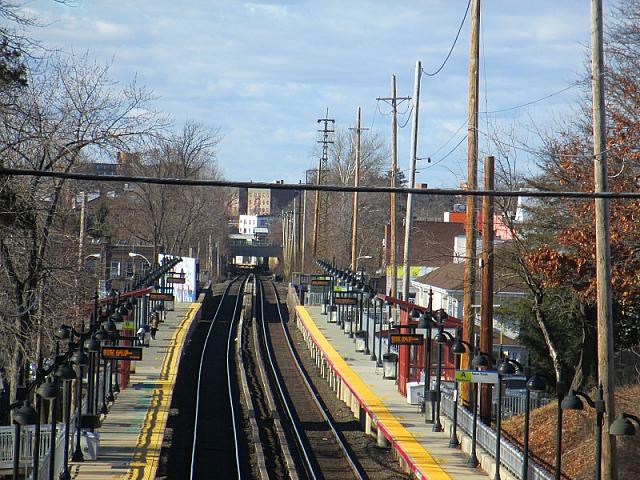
[(219, 450), (298, 438)]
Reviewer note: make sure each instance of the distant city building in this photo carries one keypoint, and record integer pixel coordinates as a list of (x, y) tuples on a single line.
[(267, 201), (254, 224)]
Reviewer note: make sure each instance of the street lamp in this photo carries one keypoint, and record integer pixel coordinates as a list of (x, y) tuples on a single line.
[(66, 374), (573, 402), (49, 390), (560, 390), (622, 426), (364, 257), (379, 360), (440, 338), (458, 348), (80, 359), (480, 360), (133, 254), (25, 415)]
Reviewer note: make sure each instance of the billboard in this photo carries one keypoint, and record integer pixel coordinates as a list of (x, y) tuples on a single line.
[(183, 292)]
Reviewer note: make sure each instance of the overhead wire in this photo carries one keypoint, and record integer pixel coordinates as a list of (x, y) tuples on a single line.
[(453, 45), (314, 187)]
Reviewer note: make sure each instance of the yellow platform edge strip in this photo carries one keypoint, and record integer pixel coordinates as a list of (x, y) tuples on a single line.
[(404, 441), (146, 458)]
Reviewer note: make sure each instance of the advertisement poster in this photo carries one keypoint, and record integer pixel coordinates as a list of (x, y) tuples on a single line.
[(183, 292)]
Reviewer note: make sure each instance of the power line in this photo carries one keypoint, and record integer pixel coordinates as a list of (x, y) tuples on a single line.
[(541, 99), (453, 45), (186, 182)]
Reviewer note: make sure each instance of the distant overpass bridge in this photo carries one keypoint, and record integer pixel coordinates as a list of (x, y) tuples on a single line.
[(243, 248)]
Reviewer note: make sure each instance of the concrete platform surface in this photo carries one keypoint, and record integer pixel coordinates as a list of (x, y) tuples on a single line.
[(437, 460), (132, 432)]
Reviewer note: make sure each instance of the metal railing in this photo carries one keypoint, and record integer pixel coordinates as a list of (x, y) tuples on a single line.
[(511, 457), (515, 403)]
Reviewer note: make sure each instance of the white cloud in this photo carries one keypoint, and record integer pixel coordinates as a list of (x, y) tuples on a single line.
[(266, 70)]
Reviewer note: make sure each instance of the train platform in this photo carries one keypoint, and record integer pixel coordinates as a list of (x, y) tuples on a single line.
[(358, 382), (132, 432)]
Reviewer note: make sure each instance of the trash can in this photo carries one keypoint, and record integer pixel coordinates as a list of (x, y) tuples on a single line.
[(333, 314), (347, 323), (90, 444), (360, 340), (324, 309), (390, 365)]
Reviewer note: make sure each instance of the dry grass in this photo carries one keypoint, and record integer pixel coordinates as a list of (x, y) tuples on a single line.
[(578, 442)]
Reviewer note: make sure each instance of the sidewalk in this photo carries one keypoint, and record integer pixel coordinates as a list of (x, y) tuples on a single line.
[(430, 449), (132, 432)]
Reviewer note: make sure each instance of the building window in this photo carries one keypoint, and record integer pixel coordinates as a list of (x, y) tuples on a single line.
[(130, 269), (114, 269)]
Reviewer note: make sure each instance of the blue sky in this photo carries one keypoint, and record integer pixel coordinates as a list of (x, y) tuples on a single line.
[(265, 71)]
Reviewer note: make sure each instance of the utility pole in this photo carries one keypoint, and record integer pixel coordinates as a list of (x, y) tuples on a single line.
[(356, 183), (468, 321), (327, 129), (603, 253), (303, 235), (393, 247), (486, 290), (412, 181), (81, 235)]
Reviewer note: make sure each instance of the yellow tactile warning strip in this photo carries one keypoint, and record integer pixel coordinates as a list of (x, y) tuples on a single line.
[(144, 463), (420, 461)]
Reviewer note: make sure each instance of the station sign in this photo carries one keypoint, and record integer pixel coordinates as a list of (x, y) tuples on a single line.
[(167, 297), (406, 339), (121, 353), (176, 280), (477, 376), (345, 301), (320, 282)]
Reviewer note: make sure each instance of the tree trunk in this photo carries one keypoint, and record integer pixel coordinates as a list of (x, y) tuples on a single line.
[(553, 352), (587, 360)]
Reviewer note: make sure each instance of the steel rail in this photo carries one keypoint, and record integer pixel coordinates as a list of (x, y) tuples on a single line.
[(357, 470), (204, 349), (286, 404)]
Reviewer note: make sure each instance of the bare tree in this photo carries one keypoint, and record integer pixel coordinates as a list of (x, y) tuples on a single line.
[(69, 108), (171, 216)]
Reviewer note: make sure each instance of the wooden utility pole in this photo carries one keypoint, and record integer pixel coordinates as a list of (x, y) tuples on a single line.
[(468, 321), (603, 254), (356, 183), (303, 234), (486, 290), (393, 242), (322, 165), (412, 181)]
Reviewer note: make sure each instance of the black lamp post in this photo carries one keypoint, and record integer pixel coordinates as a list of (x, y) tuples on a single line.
[(379, 360), (458, 348), (374, 300), (560, 393), (535, 383), (573, 402), (440, 338), (505, 367), (424, 322), (80, 359), (368, 293), (479, 360), (49, 390), (25, 415), (389, 323), (66, 374)]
